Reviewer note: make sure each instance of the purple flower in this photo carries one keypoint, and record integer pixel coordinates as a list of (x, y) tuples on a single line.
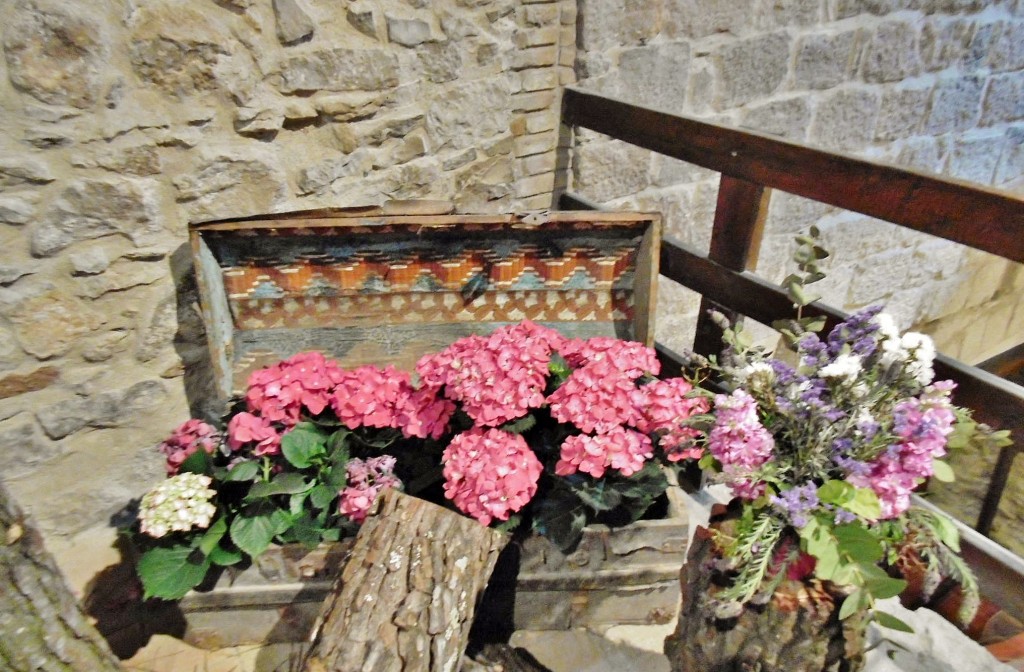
[(857, 331), (812, 351), (797, 503)]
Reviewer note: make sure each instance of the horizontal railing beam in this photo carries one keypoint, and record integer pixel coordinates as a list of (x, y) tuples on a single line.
[(985, 219)]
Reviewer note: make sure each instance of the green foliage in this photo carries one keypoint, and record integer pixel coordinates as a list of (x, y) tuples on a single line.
[(168, 572)]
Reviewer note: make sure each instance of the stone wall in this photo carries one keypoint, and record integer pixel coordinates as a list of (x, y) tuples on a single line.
[(936, 85), (123, 121)]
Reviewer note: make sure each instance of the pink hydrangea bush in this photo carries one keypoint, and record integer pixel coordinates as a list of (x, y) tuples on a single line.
[(186, 439), (366, 478)]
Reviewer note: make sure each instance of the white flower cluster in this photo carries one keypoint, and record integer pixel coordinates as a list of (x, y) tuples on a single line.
[(177, 505), (915, 351)]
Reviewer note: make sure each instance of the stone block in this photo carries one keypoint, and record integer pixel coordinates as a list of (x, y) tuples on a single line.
[(539, 15), (791, 13), (539, 143), (94, 208), (363, 17), (339, 70), (893, 53), (535, 37), (292, 22), (533, 101), (1007, 51), (534, 185), (955, 105), (606, 170), (54, 53), (921, 153), (14, 384), (408, 32), (1004, 99), (533, 57), (470, 114), (24, 450), (975, 159), (845, 119), (230, 185), (750, 69), (700, 18), (1011, 163), (440, 61), (539, 79), (90, 261), (538, 122), (843, 9), (16, 210), (667, 171), (48, 324), (654, 76), (903, 110), (536, 164), (824, 60), (786, 118)]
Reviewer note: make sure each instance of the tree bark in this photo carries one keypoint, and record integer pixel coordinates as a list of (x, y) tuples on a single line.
[(406, 597), (42, 626), (798, 629)]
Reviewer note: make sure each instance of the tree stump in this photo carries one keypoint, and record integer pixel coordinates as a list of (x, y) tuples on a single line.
[(406, 597), (42, 626), (798, 628)]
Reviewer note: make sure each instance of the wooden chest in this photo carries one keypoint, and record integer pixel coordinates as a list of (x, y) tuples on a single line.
[(374, 287)]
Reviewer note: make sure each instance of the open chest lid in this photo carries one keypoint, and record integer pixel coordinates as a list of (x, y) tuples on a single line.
[(365, 286)]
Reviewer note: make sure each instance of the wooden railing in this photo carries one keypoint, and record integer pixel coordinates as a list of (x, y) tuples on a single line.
[(751, 165)]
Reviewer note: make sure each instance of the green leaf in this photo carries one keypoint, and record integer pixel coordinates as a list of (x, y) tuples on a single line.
[(560, 517), (322, 495), (879, 584), (224, 558), (305, 531), (946, 531), (198, 462), (889, 621), (243, 471), (338, 441), (213, 535), (303, 444), (523, 424), (253, 533), (853, 603), (169, 573), (858, 543), (288, 483), (864, 504), (599, 496), (942, 471), (835, 492)]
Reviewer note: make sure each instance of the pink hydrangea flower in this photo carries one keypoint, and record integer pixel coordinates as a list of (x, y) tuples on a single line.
[(280, 392), (423, 414), (622, 449), (246, 428), (664, 405), (370, 396), (489, 474), (496, 378), (612, 355), (189, 437), (595, 401), (366, 478)]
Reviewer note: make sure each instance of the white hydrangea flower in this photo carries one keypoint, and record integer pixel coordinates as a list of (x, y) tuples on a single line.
[(178, 504), (846, 366), (757, 369), (887, 328)]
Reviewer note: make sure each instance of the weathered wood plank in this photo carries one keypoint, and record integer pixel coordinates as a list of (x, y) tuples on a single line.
[(921, 201)]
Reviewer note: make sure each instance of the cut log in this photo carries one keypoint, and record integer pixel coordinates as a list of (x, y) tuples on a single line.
[(406, 597), (798, 629), (42, 626)]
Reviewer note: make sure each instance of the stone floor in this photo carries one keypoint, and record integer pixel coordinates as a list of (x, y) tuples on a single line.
[(935, 646)]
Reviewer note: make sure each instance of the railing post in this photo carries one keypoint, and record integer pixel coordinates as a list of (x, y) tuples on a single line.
[(735, 243)]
